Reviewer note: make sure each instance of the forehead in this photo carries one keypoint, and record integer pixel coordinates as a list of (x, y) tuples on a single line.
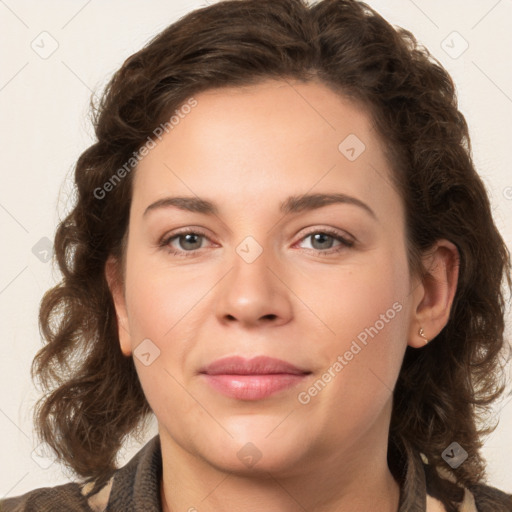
[(245, 143)]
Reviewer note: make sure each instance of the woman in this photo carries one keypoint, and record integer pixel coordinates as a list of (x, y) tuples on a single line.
[(284, 375)]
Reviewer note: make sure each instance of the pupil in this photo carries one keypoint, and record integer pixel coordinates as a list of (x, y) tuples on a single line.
[(321, 238), (188, 241)]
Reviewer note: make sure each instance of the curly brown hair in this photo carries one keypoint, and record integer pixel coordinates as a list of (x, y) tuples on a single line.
[(94, 399)]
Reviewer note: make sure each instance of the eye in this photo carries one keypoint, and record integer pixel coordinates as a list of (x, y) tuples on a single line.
[(188, 242), (322, 241), (185, 243)]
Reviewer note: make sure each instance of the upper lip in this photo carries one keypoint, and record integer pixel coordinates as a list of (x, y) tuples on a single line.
[(260, 365)]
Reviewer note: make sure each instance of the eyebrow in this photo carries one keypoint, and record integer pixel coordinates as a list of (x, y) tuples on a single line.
[(293, 204)]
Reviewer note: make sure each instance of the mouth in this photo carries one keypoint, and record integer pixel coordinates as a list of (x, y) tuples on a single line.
[(253, 379)]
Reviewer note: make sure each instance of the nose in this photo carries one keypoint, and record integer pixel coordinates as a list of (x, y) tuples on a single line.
[(254, 293)]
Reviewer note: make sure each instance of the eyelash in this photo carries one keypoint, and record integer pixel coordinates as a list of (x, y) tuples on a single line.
[(345, 243)]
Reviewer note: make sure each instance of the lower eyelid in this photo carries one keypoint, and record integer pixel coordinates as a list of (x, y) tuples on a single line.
[(345, 242)]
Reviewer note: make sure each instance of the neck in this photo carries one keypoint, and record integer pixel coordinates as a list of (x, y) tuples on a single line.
[(274, 495), (351, 480)]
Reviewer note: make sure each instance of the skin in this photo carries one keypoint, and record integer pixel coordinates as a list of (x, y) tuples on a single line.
[(248, 149)]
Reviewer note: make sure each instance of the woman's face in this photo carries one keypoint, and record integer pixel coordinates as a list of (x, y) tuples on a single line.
[(320, 284)]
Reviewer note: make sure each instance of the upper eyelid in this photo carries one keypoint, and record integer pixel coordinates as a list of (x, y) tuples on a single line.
[(334, 232)]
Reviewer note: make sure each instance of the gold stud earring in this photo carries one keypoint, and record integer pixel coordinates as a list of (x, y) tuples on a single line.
[(421, 332)]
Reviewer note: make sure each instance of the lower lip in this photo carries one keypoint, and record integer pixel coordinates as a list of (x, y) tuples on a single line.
[(253, 387)]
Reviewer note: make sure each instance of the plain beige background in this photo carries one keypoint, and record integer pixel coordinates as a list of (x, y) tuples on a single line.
[(55, 53)]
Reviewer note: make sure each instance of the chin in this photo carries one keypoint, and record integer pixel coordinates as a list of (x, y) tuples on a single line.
[(256, 454)]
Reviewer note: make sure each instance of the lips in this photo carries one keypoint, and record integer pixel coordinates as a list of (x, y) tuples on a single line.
[(261, 365), (252, 379)]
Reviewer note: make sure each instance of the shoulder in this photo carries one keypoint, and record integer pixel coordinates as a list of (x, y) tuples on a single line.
[(66, 497), (490, 499), (126, 487), (481, 497), (445, 494)]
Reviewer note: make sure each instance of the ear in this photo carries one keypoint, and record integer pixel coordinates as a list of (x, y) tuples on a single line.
[(433, 294), (113, 275)]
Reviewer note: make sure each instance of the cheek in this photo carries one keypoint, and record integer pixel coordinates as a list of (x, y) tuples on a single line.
[(160, 309), (364, 321), (150, 314), (160, 299), (165, 306), (360, 343), (367, 296)]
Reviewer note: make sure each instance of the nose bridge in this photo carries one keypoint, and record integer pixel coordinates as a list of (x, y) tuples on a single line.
[(251, 277), (251, 292)]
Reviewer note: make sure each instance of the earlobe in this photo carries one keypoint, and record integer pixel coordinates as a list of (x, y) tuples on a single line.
[(421, 332), (434, 297), (114, 281)]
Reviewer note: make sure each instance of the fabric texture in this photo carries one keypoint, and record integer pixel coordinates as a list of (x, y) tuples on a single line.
[(136, 487)]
